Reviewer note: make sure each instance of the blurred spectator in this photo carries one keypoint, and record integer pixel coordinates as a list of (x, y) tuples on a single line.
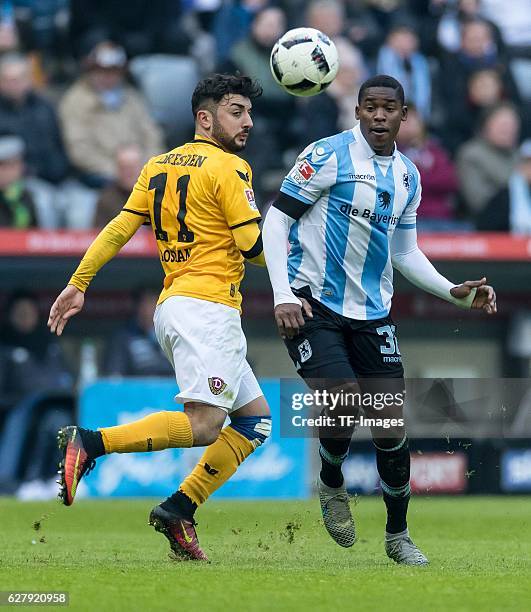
[(510, 209), (515, 24), (400, 58), (100, 113), (24, 202), (43, 25), (328, 16), (484, 90), (17, 208), (140, 26), (251, 55), (333, 110), (437, 172), (129, 161), (387, 12), (451, 24), (134, 350), (9, 34), (478, 51), (486, 162), (232, 23), (274, 111), (32, 364), (32, 359), (29, 115), (363, 29)]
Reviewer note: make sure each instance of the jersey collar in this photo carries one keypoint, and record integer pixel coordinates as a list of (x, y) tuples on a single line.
[(366, 147), (205, 140)]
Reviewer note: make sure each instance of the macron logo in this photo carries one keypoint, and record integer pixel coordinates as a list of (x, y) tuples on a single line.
[(362, 177)]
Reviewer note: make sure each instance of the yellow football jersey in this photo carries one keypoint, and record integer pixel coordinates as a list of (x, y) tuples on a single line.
[(194, 196)]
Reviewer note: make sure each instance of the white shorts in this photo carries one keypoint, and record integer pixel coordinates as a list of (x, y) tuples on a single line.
[(204, 342)]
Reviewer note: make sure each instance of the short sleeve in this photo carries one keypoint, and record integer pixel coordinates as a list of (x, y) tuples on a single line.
[(314, 172), (137, 203), (233, 188), (408, 218)]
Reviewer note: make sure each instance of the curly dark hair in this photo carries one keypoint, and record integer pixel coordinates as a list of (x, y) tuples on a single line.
[(214, 87)]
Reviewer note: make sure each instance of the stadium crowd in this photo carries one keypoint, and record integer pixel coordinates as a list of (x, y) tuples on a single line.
[(90, 90)]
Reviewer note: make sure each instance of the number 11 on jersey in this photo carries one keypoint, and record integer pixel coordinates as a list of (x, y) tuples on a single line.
[(158, 183)]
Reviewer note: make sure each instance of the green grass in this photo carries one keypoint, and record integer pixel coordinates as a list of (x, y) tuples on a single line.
[(271, 556)]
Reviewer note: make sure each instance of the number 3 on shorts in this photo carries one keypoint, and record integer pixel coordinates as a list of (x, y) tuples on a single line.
[(391, 342)]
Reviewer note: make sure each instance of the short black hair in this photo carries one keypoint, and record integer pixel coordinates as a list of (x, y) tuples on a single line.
[(215, 86), (382, 80)]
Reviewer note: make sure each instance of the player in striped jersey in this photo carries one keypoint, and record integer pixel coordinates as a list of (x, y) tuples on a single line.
[(348, 209)]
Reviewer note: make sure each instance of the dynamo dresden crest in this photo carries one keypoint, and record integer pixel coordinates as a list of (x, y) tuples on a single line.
[(217, 385)]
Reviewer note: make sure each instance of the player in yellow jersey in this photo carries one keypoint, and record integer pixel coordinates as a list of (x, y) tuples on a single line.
[(199, 201)]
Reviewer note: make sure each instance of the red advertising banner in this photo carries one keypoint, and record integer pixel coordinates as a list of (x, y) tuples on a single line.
[(455, 247), (439, 473), (61, 243)]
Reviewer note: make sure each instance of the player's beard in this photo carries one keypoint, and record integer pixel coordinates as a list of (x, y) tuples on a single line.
[(221, 136)]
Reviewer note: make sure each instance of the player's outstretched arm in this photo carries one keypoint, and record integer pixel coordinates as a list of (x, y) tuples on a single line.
[(484, 298), (411, 262), (69, 302), (106, 245)]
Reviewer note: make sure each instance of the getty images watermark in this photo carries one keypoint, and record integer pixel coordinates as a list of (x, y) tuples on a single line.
[(341, 409), (475, 408)]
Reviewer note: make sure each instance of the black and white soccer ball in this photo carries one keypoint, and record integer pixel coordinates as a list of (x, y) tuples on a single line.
[(304, 61)]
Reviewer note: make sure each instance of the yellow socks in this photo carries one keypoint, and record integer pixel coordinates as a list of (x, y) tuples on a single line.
[(152, 433), (218, 463), (173, 430)]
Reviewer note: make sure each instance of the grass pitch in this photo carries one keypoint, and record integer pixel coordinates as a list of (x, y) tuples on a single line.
[(271, 556)]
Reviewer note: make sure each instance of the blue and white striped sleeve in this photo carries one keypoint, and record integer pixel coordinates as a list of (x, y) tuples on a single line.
[(314, 172)]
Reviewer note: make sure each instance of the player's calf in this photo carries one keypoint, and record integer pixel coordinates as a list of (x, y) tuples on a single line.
[(221, 459), (393, 464)]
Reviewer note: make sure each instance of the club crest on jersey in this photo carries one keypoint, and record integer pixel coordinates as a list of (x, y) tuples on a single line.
[(406, 180), (249, 194), (305, 350), (384, 197), (216, 385)]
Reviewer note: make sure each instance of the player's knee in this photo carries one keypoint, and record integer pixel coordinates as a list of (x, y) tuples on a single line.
[(257, 429), (205, 428), (205, 435)]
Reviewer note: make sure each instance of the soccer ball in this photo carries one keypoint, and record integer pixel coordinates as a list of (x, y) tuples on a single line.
[(304, 61)]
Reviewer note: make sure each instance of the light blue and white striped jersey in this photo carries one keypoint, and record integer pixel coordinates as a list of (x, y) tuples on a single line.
[(356, 199)]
